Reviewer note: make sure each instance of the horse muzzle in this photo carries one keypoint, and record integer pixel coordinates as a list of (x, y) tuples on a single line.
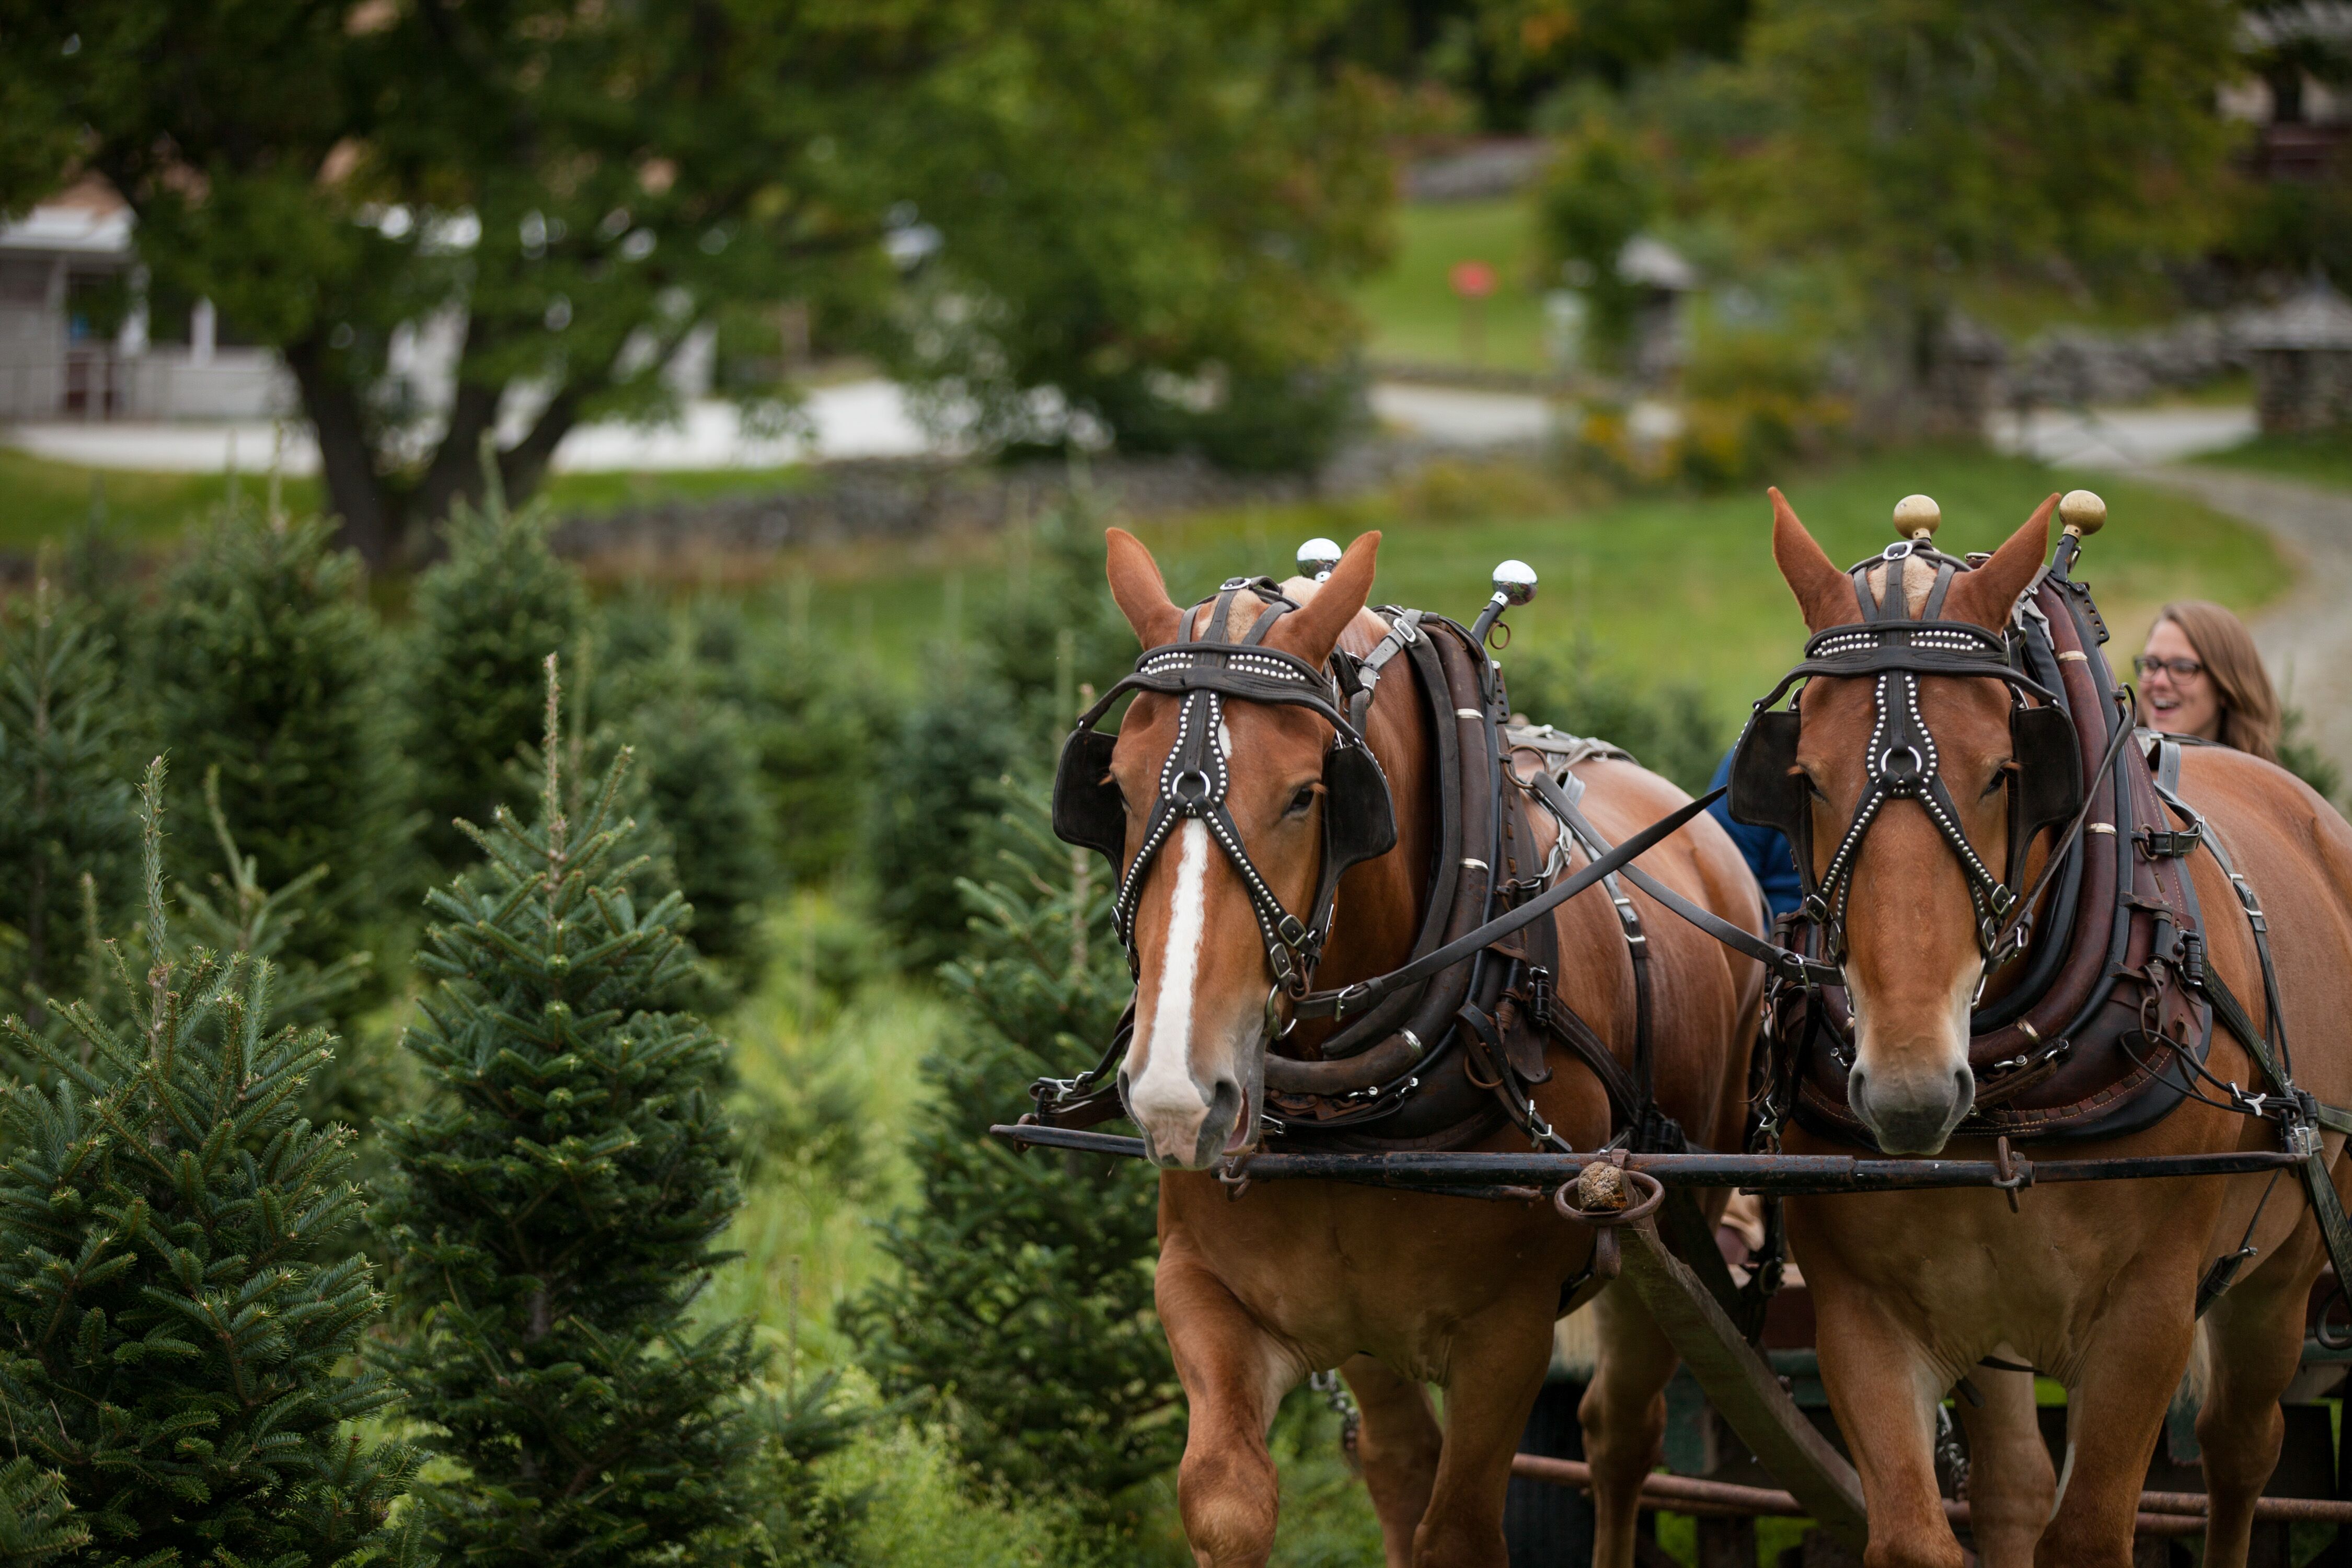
[(1912, 1110), (1190, 1120)]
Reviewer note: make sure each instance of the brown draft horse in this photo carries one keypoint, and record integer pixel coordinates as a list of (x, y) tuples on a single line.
[(1396, 1290), (2092, 1283)]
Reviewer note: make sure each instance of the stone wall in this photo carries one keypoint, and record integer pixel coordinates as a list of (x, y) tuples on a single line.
[(898, 498)]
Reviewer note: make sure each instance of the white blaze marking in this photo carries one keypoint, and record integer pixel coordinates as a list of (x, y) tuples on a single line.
[(1167, 1085)]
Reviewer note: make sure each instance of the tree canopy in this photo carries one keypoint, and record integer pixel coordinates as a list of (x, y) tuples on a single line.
[(556, 203)]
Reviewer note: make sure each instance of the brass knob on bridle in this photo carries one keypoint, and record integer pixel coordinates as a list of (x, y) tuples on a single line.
[(1317, 558), (2082, 513), (1917, 518)]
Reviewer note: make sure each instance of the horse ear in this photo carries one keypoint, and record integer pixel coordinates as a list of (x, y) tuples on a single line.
[(1141, 592), (1824, 594), (1987, 594), (1313, 630)]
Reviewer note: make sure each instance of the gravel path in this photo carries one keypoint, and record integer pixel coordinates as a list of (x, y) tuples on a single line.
[(2307, 635)]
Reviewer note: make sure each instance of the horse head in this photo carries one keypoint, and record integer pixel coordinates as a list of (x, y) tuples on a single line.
[(1206, 990), (1913, 922)]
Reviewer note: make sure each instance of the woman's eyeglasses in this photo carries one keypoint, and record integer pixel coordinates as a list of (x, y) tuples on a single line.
[(2178, 668)]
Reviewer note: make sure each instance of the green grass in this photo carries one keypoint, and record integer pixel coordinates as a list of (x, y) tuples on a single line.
[(51, 501), (1662, 589), (1411, 311), (2321, 459)]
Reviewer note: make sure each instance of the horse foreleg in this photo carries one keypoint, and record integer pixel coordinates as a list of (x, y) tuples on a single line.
[(2115, 1410), (1624, 1418), (1398, 1447), (1885, 1392), (2254, 1342), (1495, 1365), (2012, 1486), (1235, 1373)]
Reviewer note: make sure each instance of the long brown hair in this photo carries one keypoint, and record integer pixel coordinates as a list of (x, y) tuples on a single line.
[(2249, 707)]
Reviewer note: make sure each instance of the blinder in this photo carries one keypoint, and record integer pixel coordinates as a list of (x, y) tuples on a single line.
[(1088, 810), (1359, 818), (2048, 788), (1767, 790)]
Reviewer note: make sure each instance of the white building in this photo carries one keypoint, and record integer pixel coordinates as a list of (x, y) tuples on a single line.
[(80, 339)]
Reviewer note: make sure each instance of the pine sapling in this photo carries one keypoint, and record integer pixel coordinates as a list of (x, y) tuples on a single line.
[(172, 1345), (556, 1212)]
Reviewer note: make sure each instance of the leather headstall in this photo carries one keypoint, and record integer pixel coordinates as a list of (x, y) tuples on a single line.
[(1358, 819)]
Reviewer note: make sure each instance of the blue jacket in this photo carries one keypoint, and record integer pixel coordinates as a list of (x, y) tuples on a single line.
[(1765, 850)]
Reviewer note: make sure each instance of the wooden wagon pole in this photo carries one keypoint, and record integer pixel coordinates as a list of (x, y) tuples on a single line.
[(1742, 1385)]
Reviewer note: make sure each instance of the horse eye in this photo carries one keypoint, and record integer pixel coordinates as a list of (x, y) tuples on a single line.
[(1304, 801), (2000, 776)]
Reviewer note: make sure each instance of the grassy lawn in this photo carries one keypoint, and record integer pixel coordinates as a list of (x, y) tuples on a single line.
[(1412, 313), (1668, 589), (2323, 459), (50, 501)]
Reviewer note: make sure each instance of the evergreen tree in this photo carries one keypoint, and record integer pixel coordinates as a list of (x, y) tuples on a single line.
[(1021, 1312), (676, 673), (932, 810), (65, 811), (241, 917), (36, 1523), (264, 661), (1005, 700), (556, 1212), (170, 1343), (486, 620)]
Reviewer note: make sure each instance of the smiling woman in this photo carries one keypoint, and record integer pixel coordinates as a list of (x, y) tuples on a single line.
[(2201, 675)]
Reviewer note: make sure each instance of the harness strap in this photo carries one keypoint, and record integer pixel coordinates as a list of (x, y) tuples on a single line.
[(1364, 994), (2302, 1129), (1785, 961)]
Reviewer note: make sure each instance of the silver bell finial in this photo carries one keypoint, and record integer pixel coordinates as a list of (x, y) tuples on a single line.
[(1317, 557), (1516, 582)]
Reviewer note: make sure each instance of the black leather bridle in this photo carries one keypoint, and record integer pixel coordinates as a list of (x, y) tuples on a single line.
[(1358, 818), (1892, 648)]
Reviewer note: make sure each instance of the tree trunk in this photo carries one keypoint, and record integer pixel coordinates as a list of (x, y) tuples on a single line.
[(373, 521), (524, 467), (455, 474)]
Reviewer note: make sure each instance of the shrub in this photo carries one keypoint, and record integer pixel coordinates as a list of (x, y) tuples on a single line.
[(1021, 1314), (264, 661), (486, 620), (170, 1343), (240, 917), (555, 1211), (1667, 729)]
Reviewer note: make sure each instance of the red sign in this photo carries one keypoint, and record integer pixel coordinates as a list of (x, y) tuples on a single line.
[(1471, 280)]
